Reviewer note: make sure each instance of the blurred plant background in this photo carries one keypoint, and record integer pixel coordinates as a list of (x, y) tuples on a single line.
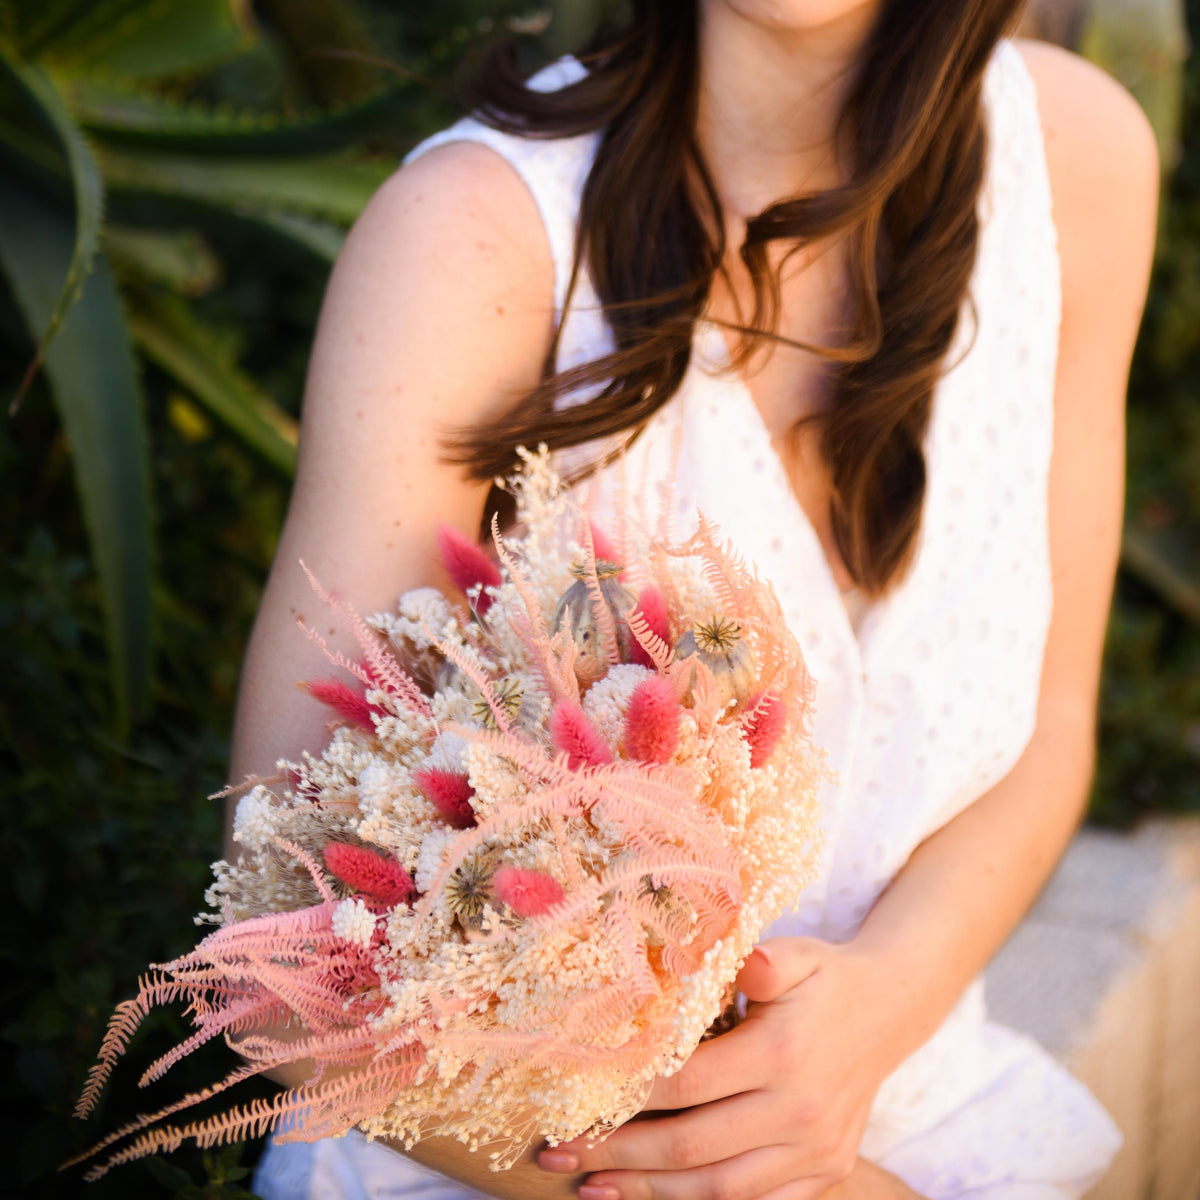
[(175, 181)]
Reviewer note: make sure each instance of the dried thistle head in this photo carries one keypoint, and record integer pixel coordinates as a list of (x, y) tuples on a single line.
[(660, 891), (605, 569), (509, 694), (469, 889), (719, 645), (717, 635)]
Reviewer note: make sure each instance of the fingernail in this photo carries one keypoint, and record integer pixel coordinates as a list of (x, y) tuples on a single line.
[(767, 956), (598, 1191), (557, 1160)]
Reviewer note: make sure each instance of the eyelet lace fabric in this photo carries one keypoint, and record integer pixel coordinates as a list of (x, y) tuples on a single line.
[(924, 707)]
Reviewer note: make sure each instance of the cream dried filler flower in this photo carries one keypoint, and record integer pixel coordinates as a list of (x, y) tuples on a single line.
[(550, 824)]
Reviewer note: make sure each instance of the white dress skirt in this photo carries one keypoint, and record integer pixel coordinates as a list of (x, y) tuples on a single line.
[(922, 708)]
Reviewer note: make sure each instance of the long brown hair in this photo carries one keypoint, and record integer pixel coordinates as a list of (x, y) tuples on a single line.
[(651, 236)]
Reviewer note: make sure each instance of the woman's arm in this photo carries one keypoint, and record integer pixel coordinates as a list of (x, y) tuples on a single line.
[(438, 314), (785, 1098)]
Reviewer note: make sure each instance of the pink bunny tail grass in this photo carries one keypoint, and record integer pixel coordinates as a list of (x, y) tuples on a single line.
[(576, 737), (652, 722), (604, 546), (652, 608), (344, 700), (467, 565), (763, 725), (378, 878), (527, 893), (448, 792)]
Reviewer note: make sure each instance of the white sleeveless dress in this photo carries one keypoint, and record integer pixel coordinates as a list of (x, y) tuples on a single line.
[(922, 708)]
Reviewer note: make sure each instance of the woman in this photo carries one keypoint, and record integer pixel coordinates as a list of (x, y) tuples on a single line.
[(956, 293)]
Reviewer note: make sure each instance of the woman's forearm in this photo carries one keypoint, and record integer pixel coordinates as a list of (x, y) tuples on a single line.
[(523, 1181), (967, 886)]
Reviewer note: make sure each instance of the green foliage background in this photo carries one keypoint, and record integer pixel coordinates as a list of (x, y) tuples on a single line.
[(107, 834)]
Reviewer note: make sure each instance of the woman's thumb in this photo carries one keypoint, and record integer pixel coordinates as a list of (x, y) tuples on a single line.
[(776, 965)]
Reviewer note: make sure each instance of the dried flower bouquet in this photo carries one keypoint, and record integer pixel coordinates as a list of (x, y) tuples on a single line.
[(519, 882)]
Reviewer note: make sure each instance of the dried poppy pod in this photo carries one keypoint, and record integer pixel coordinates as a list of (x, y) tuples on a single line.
[(576, 614), (719, 645), (469, 889)]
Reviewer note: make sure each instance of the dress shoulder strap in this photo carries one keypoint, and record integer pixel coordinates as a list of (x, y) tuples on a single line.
[(553, 169), (1018, 177)]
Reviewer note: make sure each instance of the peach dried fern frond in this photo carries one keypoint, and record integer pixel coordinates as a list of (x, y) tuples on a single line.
[(601, 612), (385, 668)]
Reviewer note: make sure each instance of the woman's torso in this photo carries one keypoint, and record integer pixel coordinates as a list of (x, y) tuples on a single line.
[(933, 698)]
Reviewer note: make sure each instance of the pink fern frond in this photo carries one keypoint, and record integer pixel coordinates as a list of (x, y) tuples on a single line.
[(239, 1073), (762, 726), (649, 621), (450, 793), (344, 700), (383, 665), (468, 565), (475, 673), (576, 737), (525, 589), (213, 1026), (309, 863), (380, 878), (122, 1025), (606, 627), (250, 781), (652, 722), (527, 893)]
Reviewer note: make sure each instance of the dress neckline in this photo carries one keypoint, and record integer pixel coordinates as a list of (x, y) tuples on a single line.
[(711, 355)]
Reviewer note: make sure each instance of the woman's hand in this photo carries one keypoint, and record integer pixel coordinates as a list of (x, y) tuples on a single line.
[(776, 1107)]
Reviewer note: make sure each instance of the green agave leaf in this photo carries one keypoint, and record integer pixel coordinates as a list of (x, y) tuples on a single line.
[(28, 23), (169, 333), (31, 154), (151, 39), (9, 23), (1144, 558), (133, 116), (332, 187), (92, 378), (319, 237), (179, 259), (88, 186)]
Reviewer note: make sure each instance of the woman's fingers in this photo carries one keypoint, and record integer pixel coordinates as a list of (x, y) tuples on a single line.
[(744, 1177), (776, 965), (693, 1138), (725, 1066), (739, 1061)]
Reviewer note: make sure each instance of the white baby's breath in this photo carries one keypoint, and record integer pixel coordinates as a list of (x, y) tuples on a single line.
[(254, 819), (354, 921)]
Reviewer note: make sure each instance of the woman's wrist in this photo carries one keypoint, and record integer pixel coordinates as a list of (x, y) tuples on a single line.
[(903, 1012)]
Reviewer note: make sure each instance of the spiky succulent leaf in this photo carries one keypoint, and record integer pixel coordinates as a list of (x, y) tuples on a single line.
[(90, 370), (167, 331), (1172, 576), (321, 238), (87, 186), (179, 259), (121, 110), (152, 39), (330, 187), (32, 23)]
